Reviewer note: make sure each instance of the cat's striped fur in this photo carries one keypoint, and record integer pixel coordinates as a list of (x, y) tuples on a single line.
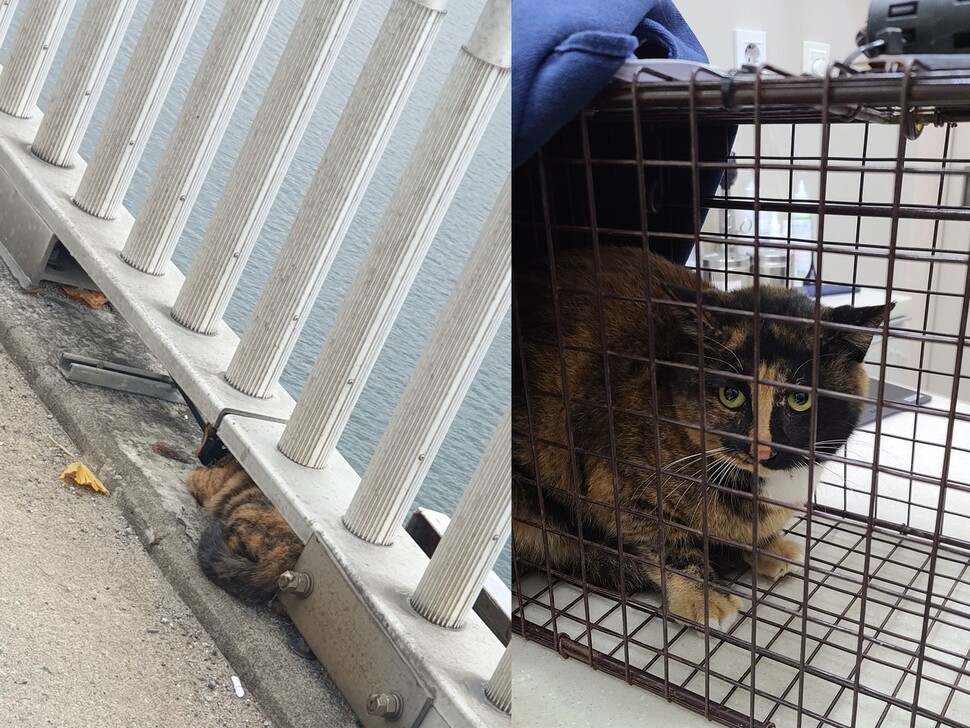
[(248, 544)]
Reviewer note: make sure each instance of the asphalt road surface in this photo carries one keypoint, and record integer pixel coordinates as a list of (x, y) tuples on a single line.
[(91, 634)]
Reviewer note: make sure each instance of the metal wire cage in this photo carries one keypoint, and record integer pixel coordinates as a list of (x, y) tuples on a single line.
[(852, 188)]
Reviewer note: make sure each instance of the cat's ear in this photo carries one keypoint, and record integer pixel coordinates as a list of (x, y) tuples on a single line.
[(854, 343)]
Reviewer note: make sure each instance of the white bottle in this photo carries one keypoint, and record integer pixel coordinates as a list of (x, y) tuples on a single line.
[(744, 219), (776, 228), (802, 232)]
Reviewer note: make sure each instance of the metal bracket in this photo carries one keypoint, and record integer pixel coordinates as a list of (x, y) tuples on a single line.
[(341, 630), (29, 247), (212, 449), (77, 368)]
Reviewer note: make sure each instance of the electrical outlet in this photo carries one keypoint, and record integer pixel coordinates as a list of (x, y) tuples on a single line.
[(815, 57), (750, 47)]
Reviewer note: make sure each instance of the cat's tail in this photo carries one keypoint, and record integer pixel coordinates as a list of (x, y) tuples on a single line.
[(244, 579)]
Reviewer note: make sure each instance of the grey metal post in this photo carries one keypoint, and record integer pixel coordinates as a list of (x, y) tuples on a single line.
[(351, 157), (266, 155), (147, 80), (444, 372), (82, 78), (7, 9), (474, 538), (215, 90), (405, 232), (499, 688), (33, 52)]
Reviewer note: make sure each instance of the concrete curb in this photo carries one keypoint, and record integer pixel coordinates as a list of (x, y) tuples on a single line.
[(115, 433)]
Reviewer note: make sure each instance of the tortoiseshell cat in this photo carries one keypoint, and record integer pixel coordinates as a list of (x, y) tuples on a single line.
[(784, 417), (248, 544)]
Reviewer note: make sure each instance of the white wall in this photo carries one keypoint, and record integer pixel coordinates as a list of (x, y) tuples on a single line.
[(787, 24)]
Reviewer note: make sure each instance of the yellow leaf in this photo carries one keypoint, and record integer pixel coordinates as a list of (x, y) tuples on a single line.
[(80, 474)]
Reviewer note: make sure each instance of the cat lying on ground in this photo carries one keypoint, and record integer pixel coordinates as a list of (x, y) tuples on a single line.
[(248, 544)]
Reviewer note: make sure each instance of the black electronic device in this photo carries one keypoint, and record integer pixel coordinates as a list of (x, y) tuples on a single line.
[(916, 27)]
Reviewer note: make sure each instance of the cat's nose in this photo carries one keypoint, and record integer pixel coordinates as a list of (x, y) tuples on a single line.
[(763, 452)]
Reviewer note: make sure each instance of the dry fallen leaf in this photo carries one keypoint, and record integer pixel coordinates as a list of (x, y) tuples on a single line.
[(160, 448), (95, 299), (80, 474)]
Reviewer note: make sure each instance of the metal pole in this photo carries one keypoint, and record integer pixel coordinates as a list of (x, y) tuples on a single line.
[(147, 79), (7, 10), (444, 372), (405, 232), (351, 157), (32, 54), (474, 538), (197, 133), (499, 688), (85, 71), (277, 130)]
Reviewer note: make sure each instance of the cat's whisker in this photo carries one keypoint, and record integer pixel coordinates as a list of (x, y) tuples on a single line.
[(708, 357), (688, 484), (729, 351), (714, 468), (669, 474), (667, 471), (721, 466), (858, 451), (809, 361), (694, 456), (724, 469), (686, 488)]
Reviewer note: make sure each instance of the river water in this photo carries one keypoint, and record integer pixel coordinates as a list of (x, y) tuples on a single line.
[(489, 394)]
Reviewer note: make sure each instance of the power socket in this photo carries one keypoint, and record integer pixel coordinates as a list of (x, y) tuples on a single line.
[(815, 57), (750, 47)]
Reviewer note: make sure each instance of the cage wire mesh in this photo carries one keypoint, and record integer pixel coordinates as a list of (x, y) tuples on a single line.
[(872, 625)]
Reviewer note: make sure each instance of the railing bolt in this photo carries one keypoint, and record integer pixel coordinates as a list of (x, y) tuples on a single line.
[(388, 706), (295, 582)]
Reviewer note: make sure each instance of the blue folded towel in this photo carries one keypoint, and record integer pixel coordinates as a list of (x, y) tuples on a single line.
[(565, 51)]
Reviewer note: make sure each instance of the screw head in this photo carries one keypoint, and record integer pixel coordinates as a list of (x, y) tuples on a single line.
[(388, 706), (295, 582)]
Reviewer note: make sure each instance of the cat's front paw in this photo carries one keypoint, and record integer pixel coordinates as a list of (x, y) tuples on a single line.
[(775, 568), (685, 600)]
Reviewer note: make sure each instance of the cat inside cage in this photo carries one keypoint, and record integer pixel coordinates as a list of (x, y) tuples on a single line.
[(739, 435)]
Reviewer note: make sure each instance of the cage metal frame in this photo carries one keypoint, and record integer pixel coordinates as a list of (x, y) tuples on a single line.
[(908, 94)]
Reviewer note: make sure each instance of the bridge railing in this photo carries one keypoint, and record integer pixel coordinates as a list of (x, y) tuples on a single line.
[(385, 622)]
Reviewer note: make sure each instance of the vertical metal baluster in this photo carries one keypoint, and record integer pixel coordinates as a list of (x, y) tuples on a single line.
[(333, 197), (444, 372), (269, 148), (7, 9), (471, 543), (499, 688), (197, 133), (85, 71), (405, 232), (147, 79), (32, 54)]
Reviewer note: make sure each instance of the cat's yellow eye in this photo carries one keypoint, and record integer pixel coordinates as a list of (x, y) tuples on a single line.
[(800, 401), (731, 397)]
